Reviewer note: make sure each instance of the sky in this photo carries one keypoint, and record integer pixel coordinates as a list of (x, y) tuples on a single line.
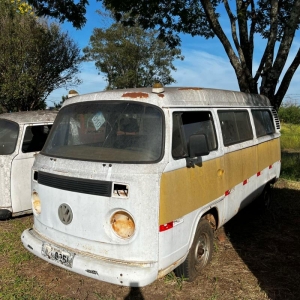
[(205, 62)]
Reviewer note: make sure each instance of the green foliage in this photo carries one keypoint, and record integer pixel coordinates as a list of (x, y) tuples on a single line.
[(290, 137), (131, 57), (62, 10), (59, 105), (36, 58), (274, 21), (289, 113), (290, 151)]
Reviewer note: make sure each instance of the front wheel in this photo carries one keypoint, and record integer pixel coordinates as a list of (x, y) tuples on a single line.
[(199, 254)]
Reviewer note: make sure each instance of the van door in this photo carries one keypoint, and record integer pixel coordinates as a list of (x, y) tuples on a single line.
[(33, 141), (240, 158), (9, 140)]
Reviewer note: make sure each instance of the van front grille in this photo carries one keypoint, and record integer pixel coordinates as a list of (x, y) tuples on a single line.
[(78, 185)]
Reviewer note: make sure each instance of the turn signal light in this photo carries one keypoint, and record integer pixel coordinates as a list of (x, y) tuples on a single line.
[(36, 203)]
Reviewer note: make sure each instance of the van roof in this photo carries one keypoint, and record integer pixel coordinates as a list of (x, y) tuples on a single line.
[(178, 97), (31, 117)]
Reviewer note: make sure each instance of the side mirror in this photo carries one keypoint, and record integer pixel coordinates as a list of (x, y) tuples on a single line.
[(198, 146)]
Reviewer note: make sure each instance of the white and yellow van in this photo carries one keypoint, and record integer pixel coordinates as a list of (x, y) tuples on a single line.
[(131, 183)]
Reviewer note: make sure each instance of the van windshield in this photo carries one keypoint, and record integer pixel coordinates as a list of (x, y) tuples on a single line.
[(107, 131), (9, 132)]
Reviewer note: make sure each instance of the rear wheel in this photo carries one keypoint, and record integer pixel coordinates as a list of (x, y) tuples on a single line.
[(264, 199), (199, 254)]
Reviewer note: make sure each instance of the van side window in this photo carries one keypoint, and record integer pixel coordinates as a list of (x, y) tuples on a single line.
[(263, 122), (35, 138), (235, 126), (186, 124)]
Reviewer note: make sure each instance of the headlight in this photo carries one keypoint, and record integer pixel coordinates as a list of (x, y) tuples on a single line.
[(36, 203), (123, 224)]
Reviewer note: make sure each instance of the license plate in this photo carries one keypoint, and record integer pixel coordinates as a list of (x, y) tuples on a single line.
[(59, 255)]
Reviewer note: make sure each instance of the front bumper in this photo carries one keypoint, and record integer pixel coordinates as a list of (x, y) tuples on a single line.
[(124, 273)]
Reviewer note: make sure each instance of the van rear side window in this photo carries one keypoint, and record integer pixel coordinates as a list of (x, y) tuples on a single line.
[(263, 122), (35, 138), (236, 126), (189, 123)]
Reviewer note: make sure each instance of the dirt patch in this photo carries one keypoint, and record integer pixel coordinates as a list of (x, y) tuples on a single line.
[(256, 257)]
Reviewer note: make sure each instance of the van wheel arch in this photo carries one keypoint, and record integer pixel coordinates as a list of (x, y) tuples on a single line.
[(200, 252), (213, 218)]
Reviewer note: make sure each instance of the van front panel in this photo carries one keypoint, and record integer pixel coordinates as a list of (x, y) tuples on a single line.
[(91, 228)]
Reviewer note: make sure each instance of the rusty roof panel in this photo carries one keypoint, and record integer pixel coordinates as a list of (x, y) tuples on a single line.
[(190, 88), (136, 95), (178, 97)]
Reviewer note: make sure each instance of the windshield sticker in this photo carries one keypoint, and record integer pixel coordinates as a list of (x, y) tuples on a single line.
[(98, 120)]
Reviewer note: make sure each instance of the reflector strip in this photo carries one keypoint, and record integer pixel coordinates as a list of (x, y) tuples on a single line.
[(258, 173), (227, 193), (245, 181), (165, 227)]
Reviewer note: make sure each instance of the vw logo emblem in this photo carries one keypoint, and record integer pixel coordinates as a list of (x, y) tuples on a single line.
[(65, 213)]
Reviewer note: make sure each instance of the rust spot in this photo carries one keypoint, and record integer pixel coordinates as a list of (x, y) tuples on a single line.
[(160, 95), (136, 95), (190, 88)]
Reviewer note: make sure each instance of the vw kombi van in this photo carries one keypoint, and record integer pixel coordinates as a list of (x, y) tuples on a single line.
[(132, 183), (22, 136)]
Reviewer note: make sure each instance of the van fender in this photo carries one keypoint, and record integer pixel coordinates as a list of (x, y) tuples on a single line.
[(210, 213)]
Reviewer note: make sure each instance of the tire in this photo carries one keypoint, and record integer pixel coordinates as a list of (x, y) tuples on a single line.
[(264, 199), (199, 254), (5, 214)]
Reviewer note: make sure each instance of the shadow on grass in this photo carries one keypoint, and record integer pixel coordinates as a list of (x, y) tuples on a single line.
[(269, 243), (290, 162)]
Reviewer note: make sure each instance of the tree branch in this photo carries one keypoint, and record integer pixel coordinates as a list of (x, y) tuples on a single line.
[(284, 85), (243, 32), (217, 29), (252, 29), (267, 58), (286, 43)]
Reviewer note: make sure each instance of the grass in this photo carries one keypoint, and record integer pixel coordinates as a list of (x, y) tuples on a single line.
[(290, 150), (13, 256), (290, 137), (173, 279)]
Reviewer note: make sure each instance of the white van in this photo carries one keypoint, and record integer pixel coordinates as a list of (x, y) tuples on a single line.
[(22, 135), (131, 183)]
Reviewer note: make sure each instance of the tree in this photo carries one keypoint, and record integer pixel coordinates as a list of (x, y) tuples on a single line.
[(36, 58), (58, 106), (273, 20), (62, 10), (289, 113), (131, 57)]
